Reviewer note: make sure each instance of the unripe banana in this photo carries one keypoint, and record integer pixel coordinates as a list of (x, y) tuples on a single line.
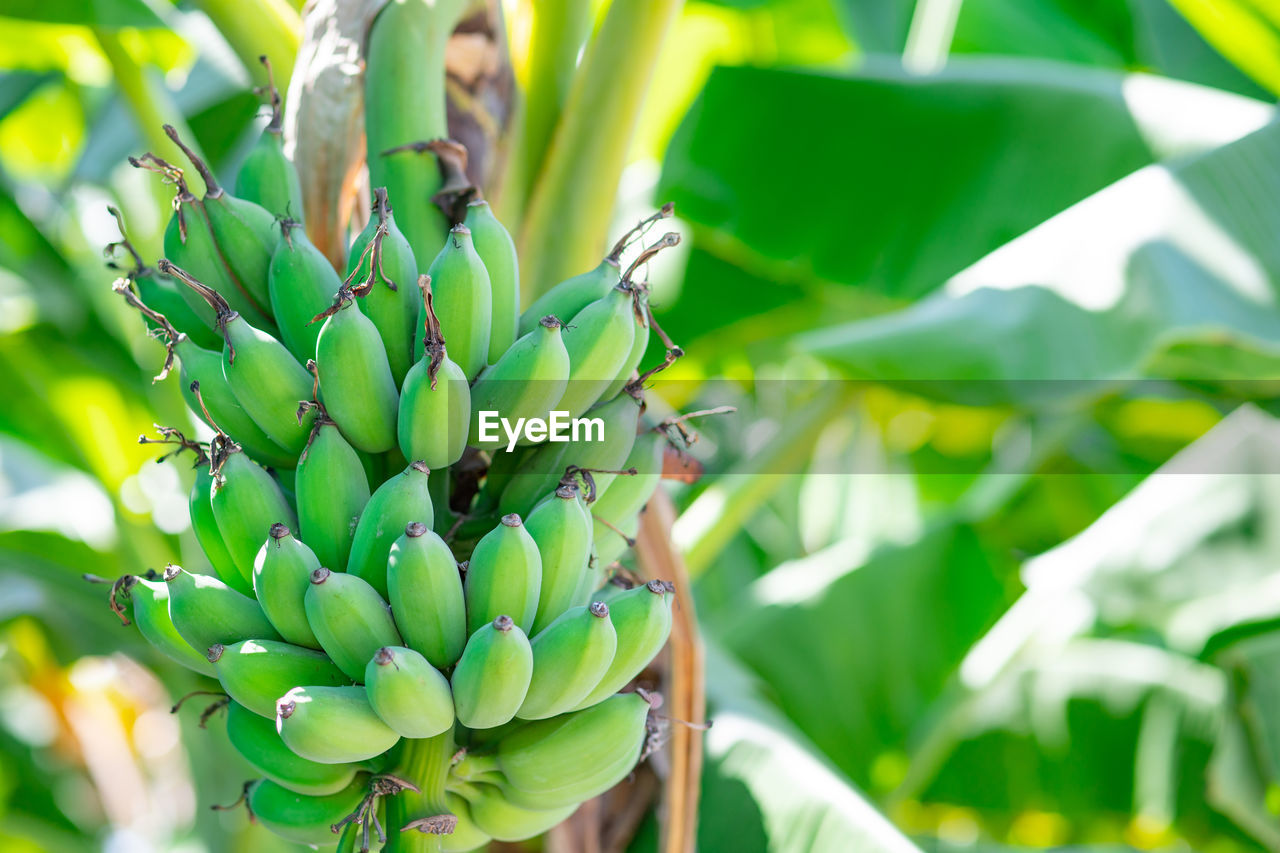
[(391, 272), (618, 507), (163, 295), (267, 381), (562, 533), (245, 233), (256, 673), (435, 402), (554, 763), (332, 725), (408, 693), (220, 406), (267, 177), (463, 301), (631, 363), (350, 620), (224, 409), (599, 340), (303, 819), (397, 502), (246, 502), (504, 576), (569, 659), (570, 296), (205, 526), (151, 612), (526, 382), (257, 741), (466, 836), (426, 595), (355, 379), (332, 491), (405, 104), (498, 251), (281, 575), (166, 297), (189, 243), (302, 284), (547, 464), (493, 674), (642, 618), (206, 611), (496, 817)]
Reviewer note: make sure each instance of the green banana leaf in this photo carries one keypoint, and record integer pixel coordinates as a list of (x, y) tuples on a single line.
[(921, 175), (1175, 259), (792, 794)]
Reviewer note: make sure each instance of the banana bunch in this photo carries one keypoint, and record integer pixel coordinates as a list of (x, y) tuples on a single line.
[(409, 617)]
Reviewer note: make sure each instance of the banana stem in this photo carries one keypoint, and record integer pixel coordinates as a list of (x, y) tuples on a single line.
[(559, 28), (425, 762), (256, 28), (572, 204)]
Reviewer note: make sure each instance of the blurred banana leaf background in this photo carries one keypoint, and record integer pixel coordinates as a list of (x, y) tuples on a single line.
[(985, 561)]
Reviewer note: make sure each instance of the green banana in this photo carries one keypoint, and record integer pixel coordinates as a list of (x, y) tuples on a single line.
[(573, 294), (466, 836), (206, 611), (426, 595), (332, 491), (408, 693), (493, 674), (504, 576), (498, 252), (246, 502), (151, 612), (612, 544), (548, 463), (551, 764), (355, 378), (397, 502), (267, 381), (281, 575), (562, 533), (245, 233), (569, 659), (625, 496), (631, 364), (302, 819), (189, 243), (332, 725), (435, 400), (406, 43), (599, 340), (302, 283), (205, 526), (494, 816), (162, 294), (526, 382), (258, 743), (382, 258), (267, 177), (256, 673), (570, 296), (642, 618), (463, 301), (220, 408), (350, 620)]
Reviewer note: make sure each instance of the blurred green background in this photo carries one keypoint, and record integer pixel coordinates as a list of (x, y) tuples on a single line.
[(986, 560)]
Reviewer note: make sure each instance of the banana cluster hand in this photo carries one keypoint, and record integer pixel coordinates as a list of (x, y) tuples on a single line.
[(409, 620)]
